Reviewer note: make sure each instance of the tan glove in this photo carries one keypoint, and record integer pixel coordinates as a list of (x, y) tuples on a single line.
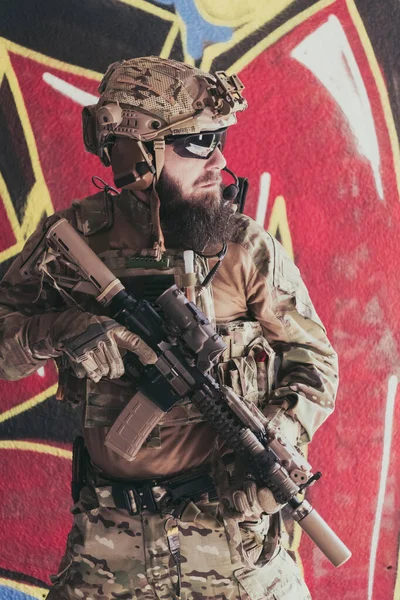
[(242, 494), (251, 501), (241, 498), (91, 342)]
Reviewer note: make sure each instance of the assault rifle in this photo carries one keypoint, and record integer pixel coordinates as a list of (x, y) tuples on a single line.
[(187, 347)]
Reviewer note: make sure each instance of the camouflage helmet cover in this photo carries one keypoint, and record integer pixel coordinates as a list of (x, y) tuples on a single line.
[(148, 98)]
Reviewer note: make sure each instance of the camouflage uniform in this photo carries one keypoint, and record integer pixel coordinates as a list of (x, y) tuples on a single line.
[(113, 554)]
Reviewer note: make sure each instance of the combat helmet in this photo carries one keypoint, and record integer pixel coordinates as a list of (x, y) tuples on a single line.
[(147, 102)]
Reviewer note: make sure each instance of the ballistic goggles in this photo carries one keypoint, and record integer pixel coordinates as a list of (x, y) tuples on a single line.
[(199, 145)]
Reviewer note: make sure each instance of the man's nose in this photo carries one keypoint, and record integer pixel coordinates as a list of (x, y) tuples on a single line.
[(216, 161)]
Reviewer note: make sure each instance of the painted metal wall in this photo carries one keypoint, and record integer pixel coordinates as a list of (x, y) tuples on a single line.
[(320, 147)]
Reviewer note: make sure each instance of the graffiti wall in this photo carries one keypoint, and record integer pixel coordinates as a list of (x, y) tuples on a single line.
[(320, 148)]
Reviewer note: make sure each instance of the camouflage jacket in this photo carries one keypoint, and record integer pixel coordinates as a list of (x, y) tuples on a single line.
[(257, 281)]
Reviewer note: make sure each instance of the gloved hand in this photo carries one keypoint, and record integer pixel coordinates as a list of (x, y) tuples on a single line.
[(91, 342), (240, 494), (251, 501), (241, 498)]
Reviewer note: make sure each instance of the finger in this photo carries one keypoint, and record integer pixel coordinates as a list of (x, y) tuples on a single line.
[(114, 359), (78, 369), (229, 512), (250, 489), (91, 369), (240, 502), (100, 359), (267, 501), (132, 342), (93, 375)]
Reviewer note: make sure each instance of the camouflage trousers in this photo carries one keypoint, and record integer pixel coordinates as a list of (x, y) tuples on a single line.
[(112, 554)]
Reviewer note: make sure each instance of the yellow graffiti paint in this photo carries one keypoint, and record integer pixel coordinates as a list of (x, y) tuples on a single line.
[(382, 90), (151, 8), (52, 63), (28, 404), (9, 208), (276, 35), (249, 27), (234, 13), (35, 447), (38, 201), (279, 221), (170, 40), (33, 210), (29, 590), (183, 31)]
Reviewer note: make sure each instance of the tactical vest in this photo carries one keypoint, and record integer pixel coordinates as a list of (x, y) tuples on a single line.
[(246, 365)]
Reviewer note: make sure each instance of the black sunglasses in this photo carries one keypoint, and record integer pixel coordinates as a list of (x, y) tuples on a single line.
[(200, 145)]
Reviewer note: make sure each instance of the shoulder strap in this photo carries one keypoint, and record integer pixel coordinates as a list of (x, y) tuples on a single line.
[(94, 213)]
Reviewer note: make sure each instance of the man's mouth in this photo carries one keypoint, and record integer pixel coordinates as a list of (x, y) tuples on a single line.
[(210, 182)]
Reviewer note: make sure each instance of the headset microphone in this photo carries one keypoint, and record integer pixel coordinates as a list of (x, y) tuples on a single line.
[(232, 190), (236, 191)]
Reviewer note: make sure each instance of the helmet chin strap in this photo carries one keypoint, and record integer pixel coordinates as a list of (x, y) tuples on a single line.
[(159, 159), (159, 156), (158, 236)]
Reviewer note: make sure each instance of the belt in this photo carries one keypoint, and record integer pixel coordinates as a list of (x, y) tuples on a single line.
[(154, 495)]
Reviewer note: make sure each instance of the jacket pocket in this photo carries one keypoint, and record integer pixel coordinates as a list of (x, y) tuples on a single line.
[(279, 579), (251, 376)]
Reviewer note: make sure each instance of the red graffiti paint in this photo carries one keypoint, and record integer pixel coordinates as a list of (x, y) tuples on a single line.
[(346, 243), (318, 124)]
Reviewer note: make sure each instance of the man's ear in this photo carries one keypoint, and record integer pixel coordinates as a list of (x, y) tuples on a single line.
[(132, 164)]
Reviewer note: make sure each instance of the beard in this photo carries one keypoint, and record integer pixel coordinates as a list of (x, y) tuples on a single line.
[(194, 224)]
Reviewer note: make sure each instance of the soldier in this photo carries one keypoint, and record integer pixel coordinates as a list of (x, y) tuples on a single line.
[(179, 521)]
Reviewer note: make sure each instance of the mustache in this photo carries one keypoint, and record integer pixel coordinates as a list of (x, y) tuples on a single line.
[(208, 178)]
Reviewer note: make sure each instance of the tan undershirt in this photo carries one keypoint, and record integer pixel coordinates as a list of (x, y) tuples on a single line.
[(184, 446)]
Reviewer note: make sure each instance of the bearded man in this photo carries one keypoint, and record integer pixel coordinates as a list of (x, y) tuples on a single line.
[(181, 520)]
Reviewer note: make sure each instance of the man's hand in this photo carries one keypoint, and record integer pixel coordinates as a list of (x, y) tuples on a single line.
[(251, 501), (91, 342), (241, 498), (241, 495)]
